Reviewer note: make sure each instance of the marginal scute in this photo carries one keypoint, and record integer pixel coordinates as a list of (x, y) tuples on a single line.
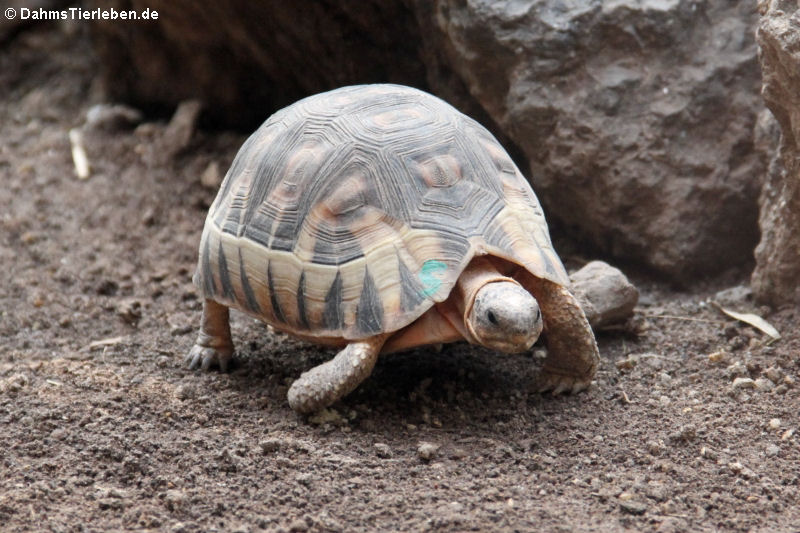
[(354, 211), (249, 295), (273, 295)]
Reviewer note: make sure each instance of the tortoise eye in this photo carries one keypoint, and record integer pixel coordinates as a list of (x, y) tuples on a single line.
[(491, 317)]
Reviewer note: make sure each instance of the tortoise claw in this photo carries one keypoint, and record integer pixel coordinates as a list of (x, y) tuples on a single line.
[(559, 383), (204, 357)]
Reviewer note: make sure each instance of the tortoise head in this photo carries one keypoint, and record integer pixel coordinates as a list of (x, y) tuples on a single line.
[(504, 317)]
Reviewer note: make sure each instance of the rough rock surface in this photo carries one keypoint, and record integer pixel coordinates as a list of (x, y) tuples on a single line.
[(635, 117), (775, 279)]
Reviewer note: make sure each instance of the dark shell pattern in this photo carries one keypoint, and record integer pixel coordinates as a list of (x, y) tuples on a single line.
[(350, 213)]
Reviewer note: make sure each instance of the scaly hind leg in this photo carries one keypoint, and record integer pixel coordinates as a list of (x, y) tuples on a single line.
[(213, 344), (324, 384)]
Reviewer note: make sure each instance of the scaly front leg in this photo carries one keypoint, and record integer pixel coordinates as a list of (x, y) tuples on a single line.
[(324, 384), (214, 344)]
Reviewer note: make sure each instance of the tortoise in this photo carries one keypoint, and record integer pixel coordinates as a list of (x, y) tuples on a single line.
[(376, 218)]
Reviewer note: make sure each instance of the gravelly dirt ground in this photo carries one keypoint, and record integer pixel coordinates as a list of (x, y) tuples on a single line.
[(119, 436)]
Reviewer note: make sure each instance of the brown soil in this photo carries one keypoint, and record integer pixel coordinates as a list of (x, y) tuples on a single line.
[(120, 436)]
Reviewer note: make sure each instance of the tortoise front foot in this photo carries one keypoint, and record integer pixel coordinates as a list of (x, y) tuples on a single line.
[(204, 354), (325, 384), (560, 383), (214, 345)]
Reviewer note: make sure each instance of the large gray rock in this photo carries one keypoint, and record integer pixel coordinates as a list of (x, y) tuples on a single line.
[(636, 117), (776, 279)]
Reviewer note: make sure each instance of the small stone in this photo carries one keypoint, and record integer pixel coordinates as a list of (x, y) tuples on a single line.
[(708, 453), (774, 423), (184, 329), (737, 369), (304, 478), (211, 177), (14, 383), (427, 450), (685, 433), (773, 374), (627, 363), (736, 467), (655, 448), (111, 117), (718, 356), (383, 450), (787, 434), (185, 392), (181, 128), (130, 310), (656, 492), (175, 499), (633, 507), (763, 384), (298, 526), (789, 381), (743, 383), (773, 450), (270, 445)]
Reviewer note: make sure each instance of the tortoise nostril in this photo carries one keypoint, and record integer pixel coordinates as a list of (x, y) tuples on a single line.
[(491, 317)]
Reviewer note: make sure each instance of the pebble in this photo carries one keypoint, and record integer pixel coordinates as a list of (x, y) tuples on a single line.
[(211, 177), (773, 450), (110, 117), (773, 374), (763, 384), (633, 507), (383, 450), (655, 447), (744, 383), (130, 310), (270, 445), (185, 392), (774, 423), (181, 128), (718, 356), (628, 363), (427, 450), (736, 467), (708, 453), (737, 369), (175, 499)]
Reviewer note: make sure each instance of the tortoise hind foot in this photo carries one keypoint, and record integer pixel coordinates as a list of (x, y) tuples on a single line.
[(324, 384), (213, 345)]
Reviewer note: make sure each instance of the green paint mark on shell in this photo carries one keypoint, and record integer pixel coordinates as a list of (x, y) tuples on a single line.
[(428, 276)]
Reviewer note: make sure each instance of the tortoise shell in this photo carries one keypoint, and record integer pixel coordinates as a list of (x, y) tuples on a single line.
[(350, 213)]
